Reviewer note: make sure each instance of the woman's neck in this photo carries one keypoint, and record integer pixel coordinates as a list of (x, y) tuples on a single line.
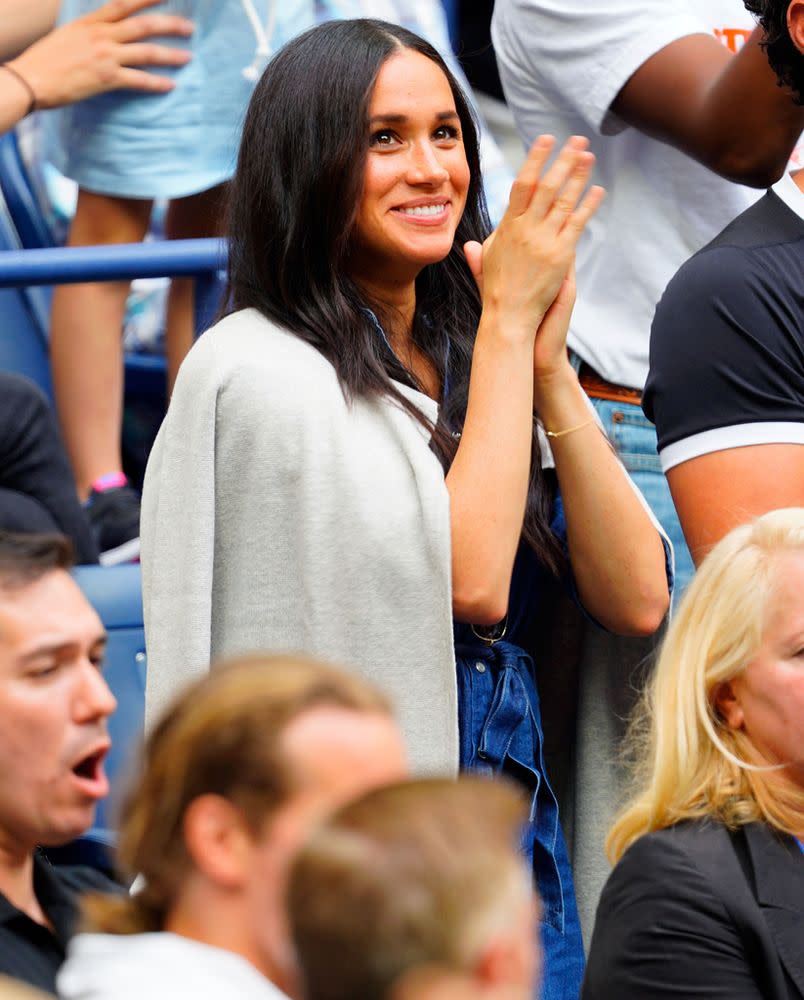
[(397, 303)]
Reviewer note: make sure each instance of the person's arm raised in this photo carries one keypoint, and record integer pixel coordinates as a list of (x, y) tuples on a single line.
[(91, 55), (520, 269), (726, 111), (615, 550)]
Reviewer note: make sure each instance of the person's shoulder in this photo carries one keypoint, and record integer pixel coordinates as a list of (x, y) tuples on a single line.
[(731, 285), (739, 252), (245, 347), (682, 837), (80, 879), (674, 858)]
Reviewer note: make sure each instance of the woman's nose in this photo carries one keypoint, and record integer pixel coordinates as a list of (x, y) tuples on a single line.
[(425, 167)]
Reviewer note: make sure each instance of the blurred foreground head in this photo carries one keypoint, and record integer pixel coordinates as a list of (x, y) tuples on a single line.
[(721, 733), (233, 777), (418, 890)]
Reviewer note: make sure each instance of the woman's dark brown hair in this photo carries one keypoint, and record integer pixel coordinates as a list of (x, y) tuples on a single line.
[(293, 202)]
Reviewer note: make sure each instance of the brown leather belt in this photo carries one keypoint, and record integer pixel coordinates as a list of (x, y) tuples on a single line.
[(597, 387)]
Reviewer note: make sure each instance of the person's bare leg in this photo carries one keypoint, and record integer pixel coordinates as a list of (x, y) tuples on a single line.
[(194, 217), (86, 350)]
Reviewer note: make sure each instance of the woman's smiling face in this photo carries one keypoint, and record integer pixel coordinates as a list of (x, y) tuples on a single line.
[(416, 175)]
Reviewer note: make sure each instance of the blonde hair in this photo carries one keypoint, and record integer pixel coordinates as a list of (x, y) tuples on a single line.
[(414, 875), (690, 764), (222, 736)]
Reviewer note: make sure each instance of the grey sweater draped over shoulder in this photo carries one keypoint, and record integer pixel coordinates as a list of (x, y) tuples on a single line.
[(277, 516)]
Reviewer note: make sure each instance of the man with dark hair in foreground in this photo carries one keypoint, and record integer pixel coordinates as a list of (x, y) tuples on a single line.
[(726, 382), (54, 704), (418, 892)]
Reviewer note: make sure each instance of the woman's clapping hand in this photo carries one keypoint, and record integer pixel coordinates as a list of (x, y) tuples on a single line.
[(523, 268)]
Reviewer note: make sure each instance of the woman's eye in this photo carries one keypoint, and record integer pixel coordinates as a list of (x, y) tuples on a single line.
[(446, 132), (384, 137)]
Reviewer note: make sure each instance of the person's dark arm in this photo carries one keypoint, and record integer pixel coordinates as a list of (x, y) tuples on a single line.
[(725, 110), (662, 933)]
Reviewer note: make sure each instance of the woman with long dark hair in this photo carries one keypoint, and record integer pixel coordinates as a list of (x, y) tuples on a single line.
[(355, 457)]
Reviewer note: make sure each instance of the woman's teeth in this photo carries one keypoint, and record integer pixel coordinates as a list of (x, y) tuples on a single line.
[(424, 210)]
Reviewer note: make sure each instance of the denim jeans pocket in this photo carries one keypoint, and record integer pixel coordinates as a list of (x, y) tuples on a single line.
[(631, 433)]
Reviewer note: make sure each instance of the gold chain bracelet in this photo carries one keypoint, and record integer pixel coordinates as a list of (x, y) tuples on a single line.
[(570, 430)]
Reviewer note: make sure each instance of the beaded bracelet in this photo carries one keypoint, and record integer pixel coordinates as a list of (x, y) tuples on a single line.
[(24, 82)]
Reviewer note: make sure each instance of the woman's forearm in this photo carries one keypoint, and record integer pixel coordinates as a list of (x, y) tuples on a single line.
[(488, 479), (616, 552)]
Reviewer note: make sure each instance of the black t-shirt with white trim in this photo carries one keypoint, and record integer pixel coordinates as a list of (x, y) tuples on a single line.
[(727, 343)]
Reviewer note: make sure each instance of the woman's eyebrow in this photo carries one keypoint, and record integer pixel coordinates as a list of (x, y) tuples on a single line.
[(401, 119)]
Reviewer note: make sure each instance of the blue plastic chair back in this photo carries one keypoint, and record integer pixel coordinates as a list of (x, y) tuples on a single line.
[(115, 593), (18, 189), (23, 342)]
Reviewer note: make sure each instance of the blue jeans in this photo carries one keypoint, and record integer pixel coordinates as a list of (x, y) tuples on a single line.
[(634, 438), (501, 733)]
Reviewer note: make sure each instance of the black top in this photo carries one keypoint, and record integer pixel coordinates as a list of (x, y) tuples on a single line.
[(727, 343), (694, 911), (31, 952)]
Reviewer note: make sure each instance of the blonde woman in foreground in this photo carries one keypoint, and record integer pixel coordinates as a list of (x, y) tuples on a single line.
[(707, 896)]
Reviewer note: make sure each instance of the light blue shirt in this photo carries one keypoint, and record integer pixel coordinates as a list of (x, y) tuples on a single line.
[(145, 146)]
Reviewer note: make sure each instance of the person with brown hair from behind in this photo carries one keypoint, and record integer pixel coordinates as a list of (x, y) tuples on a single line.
[(417, 891), (233, 777)]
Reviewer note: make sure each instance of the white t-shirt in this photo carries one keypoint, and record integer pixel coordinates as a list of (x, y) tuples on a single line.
[(562, 63)]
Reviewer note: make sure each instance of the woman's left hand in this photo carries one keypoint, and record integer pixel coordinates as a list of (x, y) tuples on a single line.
[(550, 347)]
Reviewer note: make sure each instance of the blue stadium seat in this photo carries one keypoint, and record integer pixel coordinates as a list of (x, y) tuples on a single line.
[(21, 199), (23, 340), (114, 591)]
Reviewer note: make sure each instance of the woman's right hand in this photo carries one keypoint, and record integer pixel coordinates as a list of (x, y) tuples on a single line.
[(521, 267)]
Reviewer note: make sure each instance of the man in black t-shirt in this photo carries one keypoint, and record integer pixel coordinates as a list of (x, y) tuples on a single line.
[(726, 382), (54, 704)]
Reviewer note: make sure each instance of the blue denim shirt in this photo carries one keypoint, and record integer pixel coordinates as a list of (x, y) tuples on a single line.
[(501, 733)]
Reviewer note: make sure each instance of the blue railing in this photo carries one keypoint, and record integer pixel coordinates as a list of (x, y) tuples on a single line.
[(121, 262)]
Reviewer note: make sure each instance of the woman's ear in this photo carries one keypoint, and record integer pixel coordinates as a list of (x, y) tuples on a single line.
[(218, 840), (728, 707), (795, 24)]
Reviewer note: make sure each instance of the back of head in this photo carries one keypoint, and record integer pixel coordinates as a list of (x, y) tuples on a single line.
[(413, 877), (223, 737), (783, 41), (690, 763), (24, 558)]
